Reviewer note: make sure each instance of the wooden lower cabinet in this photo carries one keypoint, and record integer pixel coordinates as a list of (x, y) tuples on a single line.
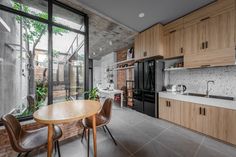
[(213, 121)]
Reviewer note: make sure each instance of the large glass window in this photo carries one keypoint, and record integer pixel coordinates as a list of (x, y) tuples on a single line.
[(37, 8), (24, 56)]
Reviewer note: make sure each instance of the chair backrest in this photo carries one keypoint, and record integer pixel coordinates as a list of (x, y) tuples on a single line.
[(106, 108), (14, 129)]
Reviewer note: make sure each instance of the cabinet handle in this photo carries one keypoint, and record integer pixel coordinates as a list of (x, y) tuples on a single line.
[(166, 103), (206, 44), (203, 66), (145, 54), (203, 45), (200, 110), (169, 104), (181, 50), (205, 18), (172, 31), (204, 111)]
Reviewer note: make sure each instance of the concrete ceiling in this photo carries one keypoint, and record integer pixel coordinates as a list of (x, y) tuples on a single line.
[(156, 11), (117, 21)]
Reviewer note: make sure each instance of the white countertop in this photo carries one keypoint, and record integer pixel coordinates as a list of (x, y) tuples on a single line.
[(110, 91), (229, 104)]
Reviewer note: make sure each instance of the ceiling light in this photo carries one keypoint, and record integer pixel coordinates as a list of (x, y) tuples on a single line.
[(110, 43), (141, 15), (100, 49), (94, 53)]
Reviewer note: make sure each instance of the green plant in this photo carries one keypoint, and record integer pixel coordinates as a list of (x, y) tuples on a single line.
[(92, 94)]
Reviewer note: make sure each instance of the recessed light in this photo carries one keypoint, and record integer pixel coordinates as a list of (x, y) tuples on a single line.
[(100, 49), (110, 43), (94, 53), (141, 15)]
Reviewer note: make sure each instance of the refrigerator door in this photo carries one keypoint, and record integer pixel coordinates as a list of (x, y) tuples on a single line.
[(149, 75), (140, 75)]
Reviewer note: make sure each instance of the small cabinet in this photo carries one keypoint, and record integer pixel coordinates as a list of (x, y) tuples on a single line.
[(169, 110), (149, 43), (173, 39)]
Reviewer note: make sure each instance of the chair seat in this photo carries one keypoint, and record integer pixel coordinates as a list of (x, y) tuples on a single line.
[(30, 140), (100, 121)]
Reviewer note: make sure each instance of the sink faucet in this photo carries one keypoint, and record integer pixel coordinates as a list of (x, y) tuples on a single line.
[(208, 90)]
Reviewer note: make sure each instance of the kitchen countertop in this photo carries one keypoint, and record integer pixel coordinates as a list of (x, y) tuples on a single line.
[(229, 104)]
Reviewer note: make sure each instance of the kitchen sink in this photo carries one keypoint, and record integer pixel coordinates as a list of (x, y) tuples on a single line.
[(210, 96)]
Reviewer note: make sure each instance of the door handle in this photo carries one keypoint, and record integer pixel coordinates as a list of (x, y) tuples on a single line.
[(204, 111), (206, 44), (203, 45)]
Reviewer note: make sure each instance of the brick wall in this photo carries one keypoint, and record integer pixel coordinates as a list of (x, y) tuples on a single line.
[(69, 130)]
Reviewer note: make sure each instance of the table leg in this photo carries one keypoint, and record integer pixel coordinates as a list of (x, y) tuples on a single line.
[(94, 136), (50, 139), (121, 100)]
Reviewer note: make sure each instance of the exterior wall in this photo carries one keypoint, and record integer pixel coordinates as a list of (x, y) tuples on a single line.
[(69, 130)]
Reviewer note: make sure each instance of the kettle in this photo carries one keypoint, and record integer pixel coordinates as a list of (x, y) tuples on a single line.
[(181, 88)]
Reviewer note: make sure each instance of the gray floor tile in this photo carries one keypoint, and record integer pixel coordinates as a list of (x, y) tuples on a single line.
[(150, 128), (208, 152), (179, 143), (194, 136), (155, 149), (222, 147), (132, 139)]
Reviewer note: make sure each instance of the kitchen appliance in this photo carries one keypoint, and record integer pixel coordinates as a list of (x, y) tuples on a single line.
[(181, 88), (148, 79), (171, 88)]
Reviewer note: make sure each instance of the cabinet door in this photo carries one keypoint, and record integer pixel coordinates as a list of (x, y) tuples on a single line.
[(167, 52), (137, 47), (191, 116), (148, 40), (164, 110), (175, 107), (219, 31), (143, 52), (194, 37)]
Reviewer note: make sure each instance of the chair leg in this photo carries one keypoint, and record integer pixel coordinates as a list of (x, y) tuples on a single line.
[(83, 135), (104, 129), (55, 146), (88, 143), (111, 135), (58, 148), (19, 155), (27, 154)]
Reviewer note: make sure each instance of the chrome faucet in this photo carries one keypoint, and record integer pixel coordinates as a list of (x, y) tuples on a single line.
[(207, 91)]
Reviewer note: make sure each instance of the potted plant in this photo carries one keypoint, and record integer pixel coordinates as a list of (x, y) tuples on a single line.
[(92, 94)]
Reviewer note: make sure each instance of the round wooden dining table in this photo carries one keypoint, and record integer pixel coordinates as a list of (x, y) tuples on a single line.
[(65, 112)]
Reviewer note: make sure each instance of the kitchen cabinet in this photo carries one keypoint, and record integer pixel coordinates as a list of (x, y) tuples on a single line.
[(149, 43), (169, 110), (213, 121), (173, 39), (209, 40)]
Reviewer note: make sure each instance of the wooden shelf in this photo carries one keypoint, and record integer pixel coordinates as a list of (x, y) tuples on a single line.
[(125, 61), (129, 67), (173, 69)]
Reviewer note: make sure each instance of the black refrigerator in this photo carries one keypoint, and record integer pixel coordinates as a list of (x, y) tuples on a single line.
[(148, 81)]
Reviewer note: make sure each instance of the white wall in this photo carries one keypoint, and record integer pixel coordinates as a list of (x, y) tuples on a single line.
[(99, 69)]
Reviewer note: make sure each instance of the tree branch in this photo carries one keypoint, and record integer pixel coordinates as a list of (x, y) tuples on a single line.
[(37, 41)]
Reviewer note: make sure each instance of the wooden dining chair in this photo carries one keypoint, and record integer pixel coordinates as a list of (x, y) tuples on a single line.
[(23, 141), (102, 119)]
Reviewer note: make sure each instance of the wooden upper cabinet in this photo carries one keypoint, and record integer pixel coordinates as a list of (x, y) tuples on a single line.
[(173, 39), (149, 43), (209, 40), (137, 47)]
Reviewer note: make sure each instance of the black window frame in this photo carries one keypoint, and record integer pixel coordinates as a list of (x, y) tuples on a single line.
[(50, 25)]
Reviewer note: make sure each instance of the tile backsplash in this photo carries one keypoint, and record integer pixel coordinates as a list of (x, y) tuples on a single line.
[(196, 80)]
